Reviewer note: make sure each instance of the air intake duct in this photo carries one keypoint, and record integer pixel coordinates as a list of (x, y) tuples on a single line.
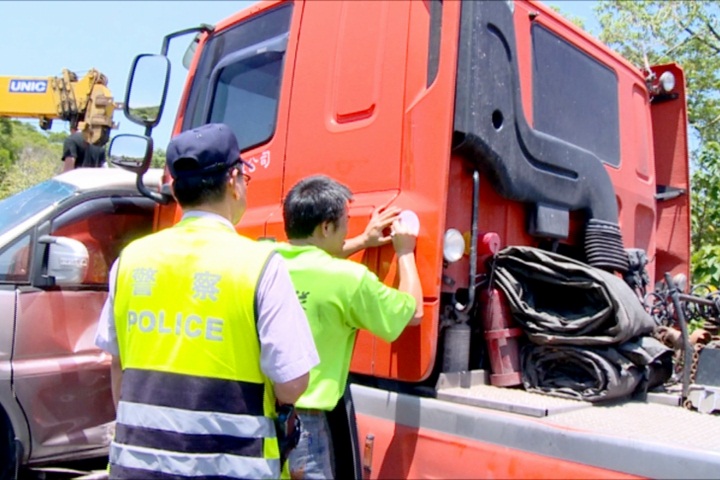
[(604, 246)]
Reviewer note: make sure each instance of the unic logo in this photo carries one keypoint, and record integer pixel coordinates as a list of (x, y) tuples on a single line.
[(28, 86)]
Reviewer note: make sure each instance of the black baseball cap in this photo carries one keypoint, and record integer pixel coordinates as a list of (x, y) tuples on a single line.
[(210, 149)]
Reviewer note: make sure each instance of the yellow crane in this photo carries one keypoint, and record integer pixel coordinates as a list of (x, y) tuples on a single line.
[(85, 102)]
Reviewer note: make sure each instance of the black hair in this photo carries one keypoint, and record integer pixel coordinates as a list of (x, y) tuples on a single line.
[(310, 202), (192, 191)]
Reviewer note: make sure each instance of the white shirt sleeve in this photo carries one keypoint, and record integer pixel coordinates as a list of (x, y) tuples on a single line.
[(105, 337), (286, 343)]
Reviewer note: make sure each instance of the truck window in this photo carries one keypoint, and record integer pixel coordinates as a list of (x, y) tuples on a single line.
[(254, 83), (105, 226), (246, 90), (567, 84)]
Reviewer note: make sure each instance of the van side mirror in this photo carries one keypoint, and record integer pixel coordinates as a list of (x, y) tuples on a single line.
[(147, 90), (67, 261)]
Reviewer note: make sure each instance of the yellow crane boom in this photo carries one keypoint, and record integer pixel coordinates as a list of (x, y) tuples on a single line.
[(85, 102)]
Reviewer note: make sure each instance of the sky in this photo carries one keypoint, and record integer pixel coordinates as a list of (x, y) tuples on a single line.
[(41, 38)]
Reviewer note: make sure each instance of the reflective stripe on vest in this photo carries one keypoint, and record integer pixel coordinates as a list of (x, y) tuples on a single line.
[(186, 464), (184, 421), (194, 400)]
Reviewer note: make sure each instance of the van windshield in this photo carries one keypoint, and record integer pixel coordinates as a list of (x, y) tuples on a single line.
[(16, 209)]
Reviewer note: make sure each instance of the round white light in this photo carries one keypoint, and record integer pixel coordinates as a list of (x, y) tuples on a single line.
[(453, 245), (667, 81)]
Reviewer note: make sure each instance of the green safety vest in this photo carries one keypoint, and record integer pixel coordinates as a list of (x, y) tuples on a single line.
[(194, 401)]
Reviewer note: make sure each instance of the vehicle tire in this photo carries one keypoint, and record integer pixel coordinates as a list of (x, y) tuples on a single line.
[(10, 450)]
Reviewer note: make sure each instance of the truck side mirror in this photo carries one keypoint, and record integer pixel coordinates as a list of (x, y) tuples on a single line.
[(134, 153), (131, 152), (147, 90), (67, 261)]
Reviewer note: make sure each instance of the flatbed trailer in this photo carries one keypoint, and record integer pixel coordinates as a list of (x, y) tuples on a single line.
[(493, 432)]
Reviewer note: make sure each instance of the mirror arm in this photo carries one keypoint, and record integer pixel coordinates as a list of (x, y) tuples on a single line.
[(42, 279), (203, 27), (47, 239), (161, 198)]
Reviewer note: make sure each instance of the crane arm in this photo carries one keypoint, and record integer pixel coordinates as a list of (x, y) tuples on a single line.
[(85, 103)]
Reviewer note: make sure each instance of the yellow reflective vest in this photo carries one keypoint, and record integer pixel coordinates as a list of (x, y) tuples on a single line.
[(194, 401)]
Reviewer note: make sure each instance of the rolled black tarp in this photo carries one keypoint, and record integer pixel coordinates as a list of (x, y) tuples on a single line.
[(588, 331), (561, 301), (595, 374)]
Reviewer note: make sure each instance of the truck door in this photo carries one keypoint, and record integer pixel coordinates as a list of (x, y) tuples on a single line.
[(346, 117), (348, 94), (669, 121), (60, 378)]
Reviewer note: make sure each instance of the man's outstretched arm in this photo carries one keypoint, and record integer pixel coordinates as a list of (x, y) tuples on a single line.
[(404, 242), (382, 219)]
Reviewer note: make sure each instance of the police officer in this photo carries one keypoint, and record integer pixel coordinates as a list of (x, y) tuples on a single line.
[(205, 331)]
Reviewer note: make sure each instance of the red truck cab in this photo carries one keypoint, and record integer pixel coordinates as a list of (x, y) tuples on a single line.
[(482, 117)]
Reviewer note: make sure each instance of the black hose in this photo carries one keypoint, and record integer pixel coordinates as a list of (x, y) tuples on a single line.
[(687, 348), (473, 247)]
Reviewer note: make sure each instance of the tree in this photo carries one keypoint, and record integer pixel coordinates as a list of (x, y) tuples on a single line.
[(27, 156), (568, 16), (688, 33), (706, 216), (146, 113), (7, 148), (158, 160), (34, 165)]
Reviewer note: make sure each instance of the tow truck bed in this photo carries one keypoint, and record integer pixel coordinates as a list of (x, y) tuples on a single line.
[(643, 438)]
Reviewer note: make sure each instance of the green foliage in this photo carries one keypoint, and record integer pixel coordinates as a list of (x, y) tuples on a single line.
[(56, 137), (158, 160), (572, 18), (7, 148), (706, 265), (34, 166), (146, 113), (704, 196), (27, 156), (686, 32), (705, 218), (696, 324)]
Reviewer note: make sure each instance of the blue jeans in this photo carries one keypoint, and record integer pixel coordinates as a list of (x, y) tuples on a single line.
[(313, 458)]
